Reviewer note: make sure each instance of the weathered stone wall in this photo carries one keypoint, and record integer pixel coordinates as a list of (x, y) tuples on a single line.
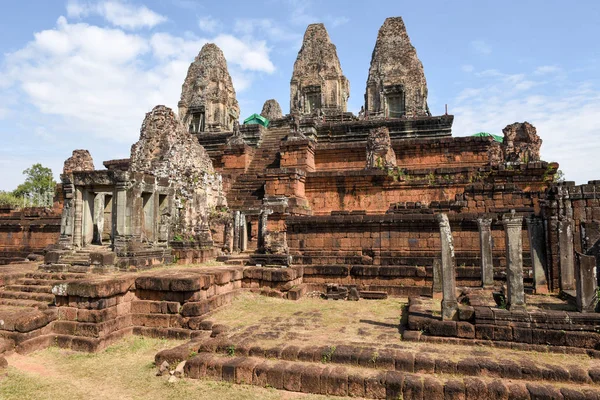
[(392, 239), (27, 231), (410, 153), (568, 204)]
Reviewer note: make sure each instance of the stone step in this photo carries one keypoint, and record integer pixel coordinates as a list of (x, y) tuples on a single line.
[(27, 282), (41, 297), (29, 288), (55, 276), (23, 303), (332, 380)]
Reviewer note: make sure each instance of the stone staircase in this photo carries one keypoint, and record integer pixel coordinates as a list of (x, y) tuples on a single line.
[(238, 258), (76, 261), (35, 289), (248, 190)]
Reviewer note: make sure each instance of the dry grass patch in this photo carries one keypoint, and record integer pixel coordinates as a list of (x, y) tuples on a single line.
[(122, 371), (272, 321)]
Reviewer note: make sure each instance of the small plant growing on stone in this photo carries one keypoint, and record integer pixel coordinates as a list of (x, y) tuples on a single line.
[(231, 351), (327, 355), (192, 354), (374, 357), (431, 178), (177, 238)]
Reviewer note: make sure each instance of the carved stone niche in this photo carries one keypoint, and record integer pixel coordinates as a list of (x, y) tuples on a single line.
[(394, 101), (197, 119)]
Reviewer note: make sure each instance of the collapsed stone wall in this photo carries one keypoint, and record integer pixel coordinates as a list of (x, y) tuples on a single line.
[(167, 150)]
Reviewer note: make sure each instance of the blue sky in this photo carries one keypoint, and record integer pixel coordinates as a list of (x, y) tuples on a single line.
[(82, 74)]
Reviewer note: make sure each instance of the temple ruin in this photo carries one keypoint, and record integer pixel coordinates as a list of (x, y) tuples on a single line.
[(474, 231)]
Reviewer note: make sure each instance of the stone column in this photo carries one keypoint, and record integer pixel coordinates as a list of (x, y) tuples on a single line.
[(449, 303), (98, 218), (66, 221), (228, 236), (120, 216), (567, 253), (537, 245), (513, 227), (485, 245), (262, 228), (243, 233), (78, 219), (236, 232), (586, 282), (437, 278)]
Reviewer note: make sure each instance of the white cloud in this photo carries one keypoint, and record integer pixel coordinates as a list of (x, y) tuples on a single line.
[(100, 82), (337, 21), (265, 27), (566, 120), (481, 47), (467, 68), (209, 24), (118, 13), (547, 69)]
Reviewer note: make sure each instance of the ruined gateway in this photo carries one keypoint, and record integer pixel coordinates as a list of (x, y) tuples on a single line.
[(384, 203)]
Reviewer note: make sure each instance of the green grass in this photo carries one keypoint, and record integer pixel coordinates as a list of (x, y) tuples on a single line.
[(122, 371)]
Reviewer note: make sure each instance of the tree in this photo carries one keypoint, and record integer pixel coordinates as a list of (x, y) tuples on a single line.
[(38, 186)]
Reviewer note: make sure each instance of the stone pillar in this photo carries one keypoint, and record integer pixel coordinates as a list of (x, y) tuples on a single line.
[(236, 232), (262, 228), (449, 303), (513, 227), (78, 219), (66, 221), (567, 254), (485, 245), (228, 236), (586, 282), (537, 245), (98, 218), (437, 278), (120, 216), (243, 233)]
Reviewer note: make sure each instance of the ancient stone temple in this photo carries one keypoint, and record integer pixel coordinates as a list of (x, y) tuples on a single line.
[(396, 86), (387, 203), (318, 83), (208, 102)]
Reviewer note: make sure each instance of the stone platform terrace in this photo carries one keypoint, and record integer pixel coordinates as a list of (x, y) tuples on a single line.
[(357, 349)]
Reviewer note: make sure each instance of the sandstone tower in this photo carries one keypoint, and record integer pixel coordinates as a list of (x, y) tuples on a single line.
[(318, 82), (396, 85), (208, 102)]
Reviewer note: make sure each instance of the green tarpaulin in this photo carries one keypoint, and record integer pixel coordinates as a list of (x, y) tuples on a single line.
[(484, 134), (256, 119)]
